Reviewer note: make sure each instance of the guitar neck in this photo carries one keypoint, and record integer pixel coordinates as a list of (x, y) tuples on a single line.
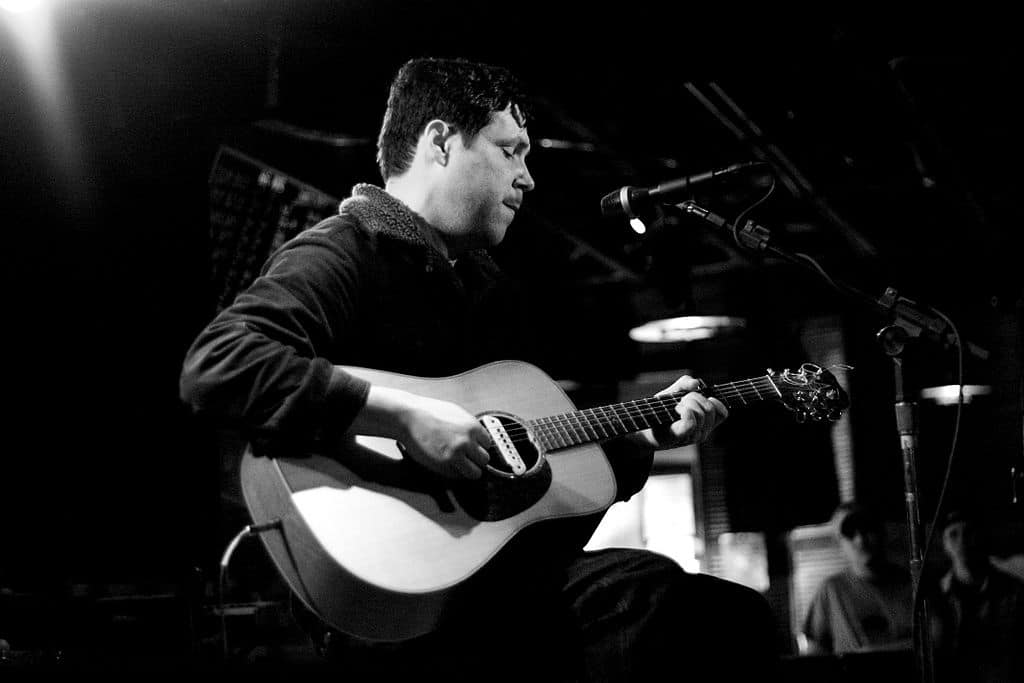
[(606, 422)]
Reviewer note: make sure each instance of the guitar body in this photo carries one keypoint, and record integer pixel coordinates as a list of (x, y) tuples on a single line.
[(380, 549)]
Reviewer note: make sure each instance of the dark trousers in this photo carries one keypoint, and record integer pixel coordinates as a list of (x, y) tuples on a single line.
[(610, 615)]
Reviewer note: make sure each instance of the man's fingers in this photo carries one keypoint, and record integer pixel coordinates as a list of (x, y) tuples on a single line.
[(720, 408), (478, 455), (468, 469), (480, 434), (470, 459), (684, 383), (699, 415), (698, 404)]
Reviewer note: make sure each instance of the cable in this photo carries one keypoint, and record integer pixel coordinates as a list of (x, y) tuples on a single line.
[(955, 333), (918, 592), (918, 597), (249, 530), (817, 266), (737, 224)]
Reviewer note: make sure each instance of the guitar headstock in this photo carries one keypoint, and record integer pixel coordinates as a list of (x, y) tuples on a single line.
[(811, 392)]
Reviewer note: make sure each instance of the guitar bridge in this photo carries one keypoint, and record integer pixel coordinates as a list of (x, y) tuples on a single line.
[(503, 444)]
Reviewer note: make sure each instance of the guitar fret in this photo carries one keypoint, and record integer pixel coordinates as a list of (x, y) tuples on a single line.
[(575, 431), (610, 424), (564, 432), (579, 432), (599, 431), (625, 429), (546, 442), (754, 387), (550, 435), (647, 424), (617, 410), (576, 428), (670, 412), (587, 428), (774, 388), (571, 434), (650, 412), (729, 394), (636, 426), (540, 429), (555, 434)]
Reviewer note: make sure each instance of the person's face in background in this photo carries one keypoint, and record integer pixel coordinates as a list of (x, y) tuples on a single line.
[(861, 543), (961, 542)]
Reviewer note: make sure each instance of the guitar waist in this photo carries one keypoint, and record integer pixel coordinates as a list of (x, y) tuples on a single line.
[(631, 464)]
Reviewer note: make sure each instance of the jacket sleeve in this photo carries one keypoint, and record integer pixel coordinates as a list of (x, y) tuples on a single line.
[(631, 465), (262, 364)]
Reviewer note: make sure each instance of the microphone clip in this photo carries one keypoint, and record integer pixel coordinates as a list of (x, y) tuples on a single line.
[(751, 235)]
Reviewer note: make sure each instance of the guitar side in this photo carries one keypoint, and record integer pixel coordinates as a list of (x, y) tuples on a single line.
[(378, 549)]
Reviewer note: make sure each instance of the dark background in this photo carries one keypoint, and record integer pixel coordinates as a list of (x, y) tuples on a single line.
[(894, 142)]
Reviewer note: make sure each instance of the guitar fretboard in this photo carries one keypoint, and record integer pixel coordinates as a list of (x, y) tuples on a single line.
[(606, 422)]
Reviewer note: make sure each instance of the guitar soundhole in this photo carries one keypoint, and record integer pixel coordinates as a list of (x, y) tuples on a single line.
[(514, 452), (516, 477)]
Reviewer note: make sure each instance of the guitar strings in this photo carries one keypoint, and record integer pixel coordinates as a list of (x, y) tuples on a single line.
[(641, 408), (571, 429), (557, 427)]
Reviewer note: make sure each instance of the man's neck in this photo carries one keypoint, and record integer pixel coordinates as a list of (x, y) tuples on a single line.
[(970, 573), (414, 197), (870, 569), (862, 571)]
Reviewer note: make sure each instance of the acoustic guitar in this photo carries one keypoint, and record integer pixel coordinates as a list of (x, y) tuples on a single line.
[(378, 547)]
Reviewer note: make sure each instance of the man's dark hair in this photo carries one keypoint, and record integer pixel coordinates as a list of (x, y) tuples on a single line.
[(852, 518), (959, 514), (461, 93)]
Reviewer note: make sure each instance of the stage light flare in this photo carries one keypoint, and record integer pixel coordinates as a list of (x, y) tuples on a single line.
[(685, 328), (20, 6), (29, 26)]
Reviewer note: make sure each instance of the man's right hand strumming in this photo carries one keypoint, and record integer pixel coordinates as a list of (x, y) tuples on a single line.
[(439, 435)]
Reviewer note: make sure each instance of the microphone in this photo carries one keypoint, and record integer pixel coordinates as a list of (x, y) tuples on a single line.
[(628, 201)]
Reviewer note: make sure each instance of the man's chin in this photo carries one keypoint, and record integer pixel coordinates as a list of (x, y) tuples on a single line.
[(496, 235)]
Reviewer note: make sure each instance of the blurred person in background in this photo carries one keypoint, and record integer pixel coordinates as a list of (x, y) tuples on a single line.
[(977, 610), (867, 606)]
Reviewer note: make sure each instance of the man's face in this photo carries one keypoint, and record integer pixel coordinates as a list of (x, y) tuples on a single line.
[(959, 541), (486, 181), (862, 546)]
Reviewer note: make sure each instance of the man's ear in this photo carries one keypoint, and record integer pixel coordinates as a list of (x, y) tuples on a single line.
[(439, 135)]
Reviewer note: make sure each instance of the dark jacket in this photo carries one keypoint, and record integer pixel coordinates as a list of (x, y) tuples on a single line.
[(364, 288)]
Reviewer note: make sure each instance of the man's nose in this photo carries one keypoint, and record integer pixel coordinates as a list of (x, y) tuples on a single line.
[(524, 181)]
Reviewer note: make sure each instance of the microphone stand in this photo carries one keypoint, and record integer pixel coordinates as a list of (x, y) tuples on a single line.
[(893, 339), (908, 319)]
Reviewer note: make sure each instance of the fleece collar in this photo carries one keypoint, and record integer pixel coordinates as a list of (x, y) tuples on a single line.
[(381, 213)]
